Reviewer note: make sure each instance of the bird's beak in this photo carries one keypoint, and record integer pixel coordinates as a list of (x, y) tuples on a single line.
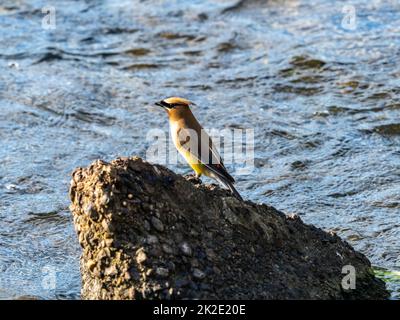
[(162, 104)]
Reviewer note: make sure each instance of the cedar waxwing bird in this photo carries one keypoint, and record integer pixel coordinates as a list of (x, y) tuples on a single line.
[(194, 144)]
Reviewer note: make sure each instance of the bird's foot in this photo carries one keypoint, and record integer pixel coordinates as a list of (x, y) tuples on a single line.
[(193, 178)]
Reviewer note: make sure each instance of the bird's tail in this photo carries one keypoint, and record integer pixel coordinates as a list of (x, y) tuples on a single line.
[(230, 186)]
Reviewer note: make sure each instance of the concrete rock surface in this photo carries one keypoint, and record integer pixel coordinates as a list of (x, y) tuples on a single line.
[(148, 233)]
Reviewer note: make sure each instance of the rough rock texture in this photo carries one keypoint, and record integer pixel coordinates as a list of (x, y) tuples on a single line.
[(148, 233)]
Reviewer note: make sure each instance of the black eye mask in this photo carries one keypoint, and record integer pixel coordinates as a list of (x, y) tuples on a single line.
[(163, 104), (168, 105)]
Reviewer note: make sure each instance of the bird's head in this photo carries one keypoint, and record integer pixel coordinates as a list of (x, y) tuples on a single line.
[(174, 105)]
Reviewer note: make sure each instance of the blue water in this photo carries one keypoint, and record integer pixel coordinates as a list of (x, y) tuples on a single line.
[(320, 91)]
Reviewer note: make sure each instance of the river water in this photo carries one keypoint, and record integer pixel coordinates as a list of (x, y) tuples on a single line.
[(317, 81)]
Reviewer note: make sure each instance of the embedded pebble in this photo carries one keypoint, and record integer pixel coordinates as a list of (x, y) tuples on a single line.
[(198, 274), (91, 265), (88, 208), (105, 225), (110, 271), (157, 224), (149, 272), (167, 249), (152, 239), (186, 250), (141, 256), (108, 242), (105, 199), (210, 253), (162, 272), (146, 225), (105, 252)]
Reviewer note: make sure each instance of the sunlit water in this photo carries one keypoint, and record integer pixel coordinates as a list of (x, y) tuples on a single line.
[(321, 93)]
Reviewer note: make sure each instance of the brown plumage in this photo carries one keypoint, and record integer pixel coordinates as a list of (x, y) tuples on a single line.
[(194, 144)]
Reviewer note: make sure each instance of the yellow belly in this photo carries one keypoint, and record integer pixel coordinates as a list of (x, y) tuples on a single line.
[(198, 168), (196, 165)]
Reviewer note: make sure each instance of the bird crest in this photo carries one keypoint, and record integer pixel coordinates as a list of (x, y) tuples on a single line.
[(177, 100)]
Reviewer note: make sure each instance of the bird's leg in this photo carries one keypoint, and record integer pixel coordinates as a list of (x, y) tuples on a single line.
[(194, 177)]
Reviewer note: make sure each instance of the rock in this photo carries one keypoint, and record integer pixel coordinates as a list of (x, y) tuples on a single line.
[(162, 272), (186, 250), (225, 248), (152, 239), (110, 271), (198, 274), (157, 224), (141, 257), (167, 249)]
